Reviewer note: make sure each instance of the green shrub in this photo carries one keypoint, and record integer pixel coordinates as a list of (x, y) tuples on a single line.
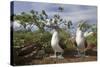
[(92, 39), (21, 39), (64, 39), (28, 38)]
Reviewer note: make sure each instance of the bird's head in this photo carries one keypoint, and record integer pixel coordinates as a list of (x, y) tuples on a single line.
[(82, 26)]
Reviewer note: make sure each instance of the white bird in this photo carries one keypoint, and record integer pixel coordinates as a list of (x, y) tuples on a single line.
[(55, 45), (81, 42), (57, 48)]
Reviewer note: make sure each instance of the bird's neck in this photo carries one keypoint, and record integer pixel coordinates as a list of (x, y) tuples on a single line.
[(55, 36), (54, 30), (55, 33), (79, 33)]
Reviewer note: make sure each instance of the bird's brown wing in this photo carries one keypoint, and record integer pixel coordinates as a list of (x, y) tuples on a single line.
[(75, 43), (85, 43), (62, 45)]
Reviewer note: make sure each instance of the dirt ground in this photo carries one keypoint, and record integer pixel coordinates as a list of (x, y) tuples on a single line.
[(67, 59)]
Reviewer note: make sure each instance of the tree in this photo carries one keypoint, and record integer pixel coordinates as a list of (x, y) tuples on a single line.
[(39, 19), (33, 18), (67, 23), (94, 28)]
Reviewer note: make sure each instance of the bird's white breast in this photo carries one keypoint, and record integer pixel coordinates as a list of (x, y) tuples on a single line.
[(55, 42), (55, 38), (80, 39)]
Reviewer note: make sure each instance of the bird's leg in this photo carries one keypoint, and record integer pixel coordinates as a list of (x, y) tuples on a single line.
[(78, 53), (60, 56), (84, 54), (55, 54), (61, 53), (81, 53)]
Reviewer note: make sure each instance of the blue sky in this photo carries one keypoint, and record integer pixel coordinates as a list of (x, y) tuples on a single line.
[(71, 12)]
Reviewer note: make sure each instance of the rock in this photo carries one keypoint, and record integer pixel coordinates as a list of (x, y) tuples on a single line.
[(27, 49), (40, 54)]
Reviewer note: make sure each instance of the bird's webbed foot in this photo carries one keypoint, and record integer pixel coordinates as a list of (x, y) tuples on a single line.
[(60, 57), (54, 56)]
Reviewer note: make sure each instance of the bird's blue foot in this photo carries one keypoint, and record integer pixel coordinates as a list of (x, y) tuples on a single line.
[(54, 56), (77, 55), (60, 57)]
